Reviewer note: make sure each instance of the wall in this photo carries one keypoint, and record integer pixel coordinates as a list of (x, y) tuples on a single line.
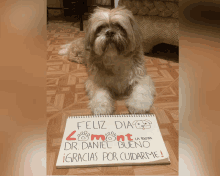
[(116, 3)]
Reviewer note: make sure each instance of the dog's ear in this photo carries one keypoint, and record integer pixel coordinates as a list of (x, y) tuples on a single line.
[(138, 38), (91, 28), (88, 36), (148, 121), (134, 122)]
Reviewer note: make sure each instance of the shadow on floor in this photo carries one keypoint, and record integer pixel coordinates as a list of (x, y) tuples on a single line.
[(165, 51)]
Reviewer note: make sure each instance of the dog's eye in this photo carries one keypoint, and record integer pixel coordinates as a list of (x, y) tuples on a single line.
[(100, 28), (119, 26)]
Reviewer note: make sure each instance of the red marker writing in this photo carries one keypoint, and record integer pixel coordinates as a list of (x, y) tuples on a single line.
[(69, 138), (63, 157)]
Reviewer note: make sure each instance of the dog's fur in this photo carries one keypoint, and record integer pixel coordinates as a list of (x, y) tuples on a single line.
[(116, 63)]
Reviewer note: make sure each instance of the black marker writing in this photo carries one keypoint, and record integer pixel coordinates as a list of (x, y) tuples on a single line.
[(126, 125), (91, 124), (70, 146), (110, 156), (81, 157)]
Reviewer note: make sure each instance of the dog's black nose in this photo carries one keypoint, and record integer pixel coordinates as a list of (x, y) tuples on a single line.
[(110, 33)]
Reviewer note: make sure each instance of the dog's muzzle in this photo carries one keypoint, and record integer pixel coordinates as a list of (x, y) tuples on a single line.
[(110, 33)]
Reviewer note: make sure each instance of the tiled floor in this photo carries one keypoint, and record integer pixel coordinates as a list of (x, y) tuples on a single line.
[(66, 96)]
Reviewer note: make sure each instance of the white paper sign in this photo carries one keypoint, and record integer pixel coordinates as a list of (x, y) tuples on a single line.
[(110, 140)]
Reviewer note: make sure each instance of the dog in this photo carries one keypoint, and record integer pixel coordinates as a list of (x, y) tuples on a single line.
[(115, 62)]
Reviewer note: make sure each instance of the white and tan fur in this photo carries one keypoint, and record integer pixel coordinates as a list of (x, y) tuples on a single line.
[(116, 63)]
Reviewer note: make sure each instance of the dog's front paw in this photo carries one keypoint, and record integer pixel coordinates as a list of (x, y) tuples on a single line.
[(142, 97), (101, 108), (101, 103), (139, 107)]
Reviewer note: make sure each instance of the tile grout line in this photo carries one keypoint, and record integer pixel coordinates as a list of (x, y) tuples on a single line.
[(166, 88)]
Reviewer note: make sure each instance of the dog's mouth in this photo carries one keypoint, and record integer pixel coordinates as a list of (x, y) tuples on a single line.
[(112, 43), (110, 48)]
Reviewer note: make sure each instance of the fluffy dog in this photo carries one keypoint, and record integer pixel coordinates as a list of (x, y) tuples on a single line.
[(115, 63)]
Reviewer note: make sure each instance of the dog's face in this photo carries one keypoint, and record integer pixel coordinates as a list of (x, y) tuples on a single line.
[(142, 124), (114, 28)]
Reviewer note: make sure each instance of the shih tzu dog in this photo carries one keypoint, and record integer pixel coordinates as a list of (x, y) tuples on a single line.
[(115, 63)]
